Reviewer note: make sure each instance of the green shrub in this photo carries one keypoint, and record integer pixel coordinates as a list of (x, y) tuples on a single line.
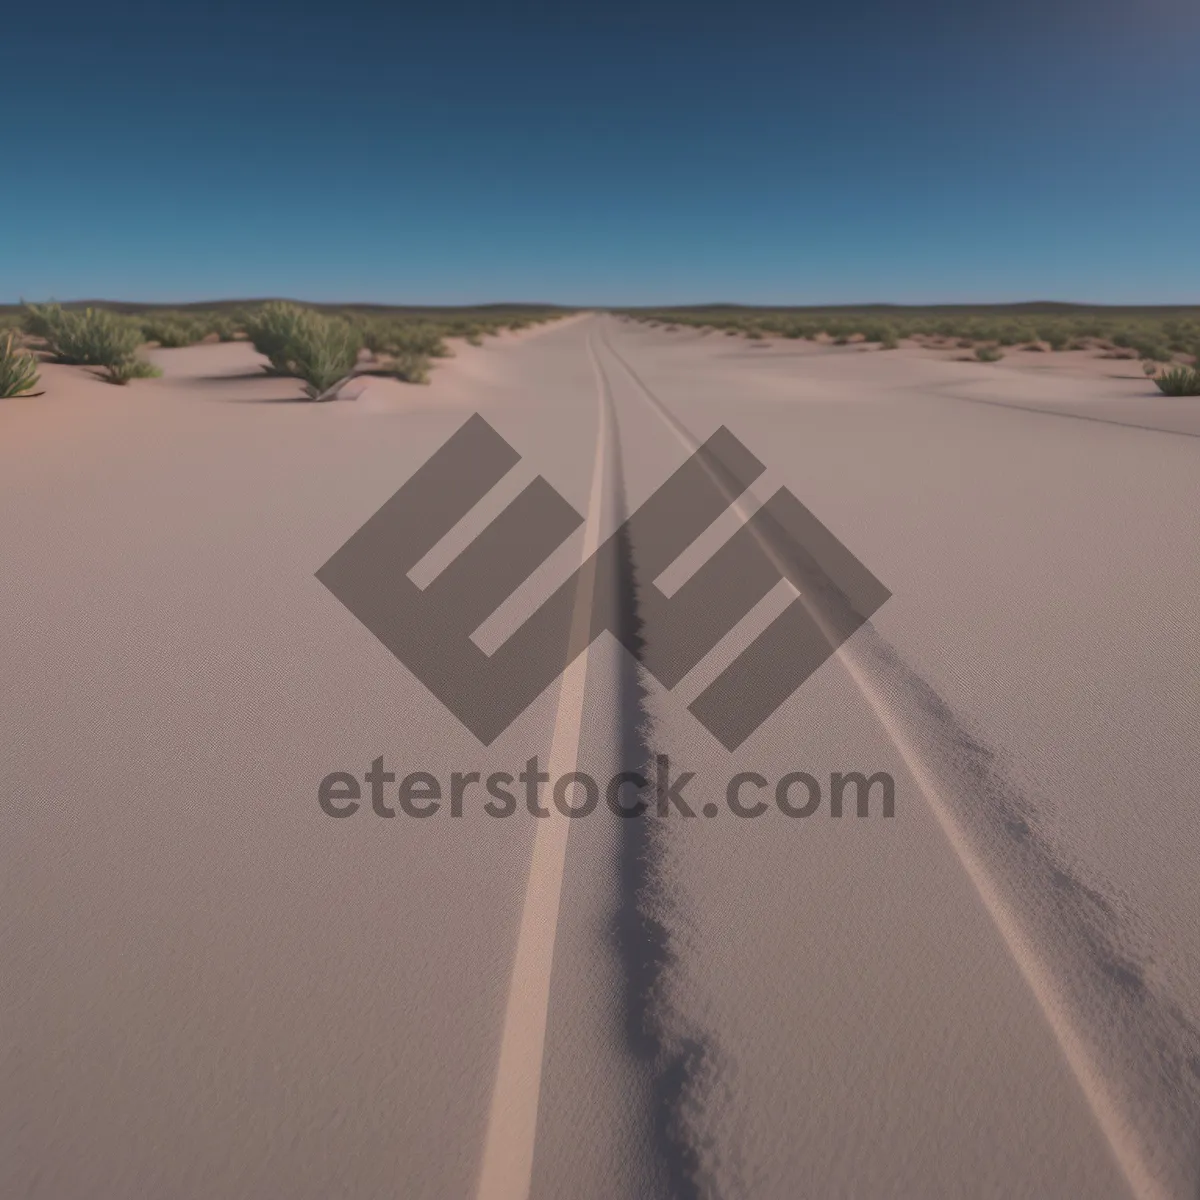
[(407, 336), (378, 335), (274, 329), (1179, 381), (93, 338), (171, 332), (417, 337), (988, 353), (324, 352), (132, 368), (39, 320), (411, 367), (226, 328), (1153, 351), (18, 370), (304, 343)]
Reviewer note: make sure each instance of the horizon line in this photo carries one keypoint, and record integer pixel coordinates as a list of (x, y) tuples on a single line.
[(705, 304)]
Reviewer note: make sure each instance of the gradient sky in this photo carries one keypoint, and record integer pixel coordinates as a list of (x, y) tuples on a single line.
[(929, 151)]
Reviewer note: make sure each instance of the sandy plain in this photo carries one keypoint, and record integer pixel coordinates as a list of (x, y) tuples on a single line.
[(216, 989)]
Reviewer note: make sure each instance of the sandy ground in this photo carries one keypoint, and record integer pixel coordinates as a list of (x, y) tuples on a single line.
[(215, 989)]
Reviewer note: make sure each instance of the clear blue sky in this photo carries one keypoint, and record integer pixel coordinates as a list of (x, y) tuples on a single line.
[(928, 151)]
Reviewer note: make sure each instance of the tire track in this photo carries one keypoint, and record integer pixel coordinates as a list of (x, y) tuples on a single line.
[(506, 1170), (1133, 1051), (676, 1065)]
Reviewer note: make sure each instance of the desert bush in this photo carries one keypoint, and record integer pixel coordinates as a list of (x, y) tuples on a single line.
[(986, 331), (873, 331), (411, 367), (301, 342), (988, 353), (226, 328), (1153, 351), (1181, 336), (132, 368), (1179, 381), (18, 369), (324, 353), (418, 337), (94, 338), (376, 335), (274, 330), (171, 332), (39, 320)]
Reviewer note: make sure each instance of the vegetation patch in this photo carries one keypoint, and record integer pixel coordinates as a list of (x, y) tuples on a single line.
[(92, 337), (316, 343), (1179, 381), (1159, 334), (171, 332), (18, 369), (319, 350)]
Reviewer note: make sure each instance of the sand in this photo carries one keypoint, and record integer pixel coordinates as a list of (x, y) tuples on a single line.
[(216, 989)]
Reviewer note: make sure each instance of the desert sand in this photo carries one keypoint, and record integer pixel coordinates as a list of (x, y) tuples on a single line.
[(215, 989)]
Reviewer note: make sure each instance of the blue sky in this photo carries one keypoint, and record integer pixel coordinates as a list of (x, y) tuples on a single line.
[(924, 152)]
